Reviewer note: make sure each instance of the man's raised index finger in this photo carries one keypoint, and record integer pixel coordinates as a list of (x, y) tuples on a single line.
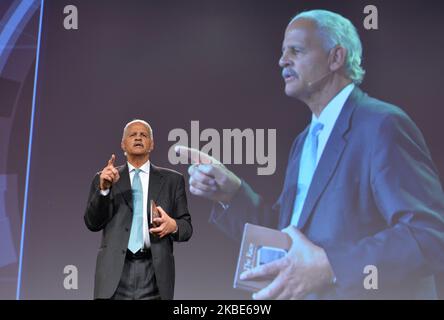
[(111, 160)]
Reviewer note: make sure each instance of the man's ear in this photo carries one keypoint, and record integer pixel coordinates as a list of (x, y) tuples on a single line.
[(122, 145), (152, 145), (337, 58)]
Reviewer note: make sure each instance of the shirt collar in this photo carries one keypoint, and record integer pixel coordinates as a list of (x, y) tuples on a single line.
[(331, 112), (144, 168)]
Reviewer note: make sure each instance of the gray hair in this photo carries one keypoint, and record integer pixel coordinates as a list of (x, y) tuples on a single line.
[(150, 130), (338, 30)]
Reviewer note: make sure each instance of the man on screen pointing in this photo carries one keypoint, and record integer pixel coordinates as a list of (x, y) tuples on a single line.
[(360, 188)]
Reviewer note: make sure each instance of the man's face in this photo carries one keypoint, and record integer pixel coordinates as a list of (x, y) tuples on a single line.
[(304, 59), (137, 140)]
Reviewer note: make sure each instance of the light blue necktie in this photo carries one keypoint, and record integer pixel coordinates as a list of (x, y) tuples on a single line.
[(136, 237), (307, 168)]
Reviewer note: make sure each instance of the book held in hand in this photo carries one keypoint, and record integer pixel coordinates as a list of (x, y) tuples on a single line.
[(260, 245), (154, 213)]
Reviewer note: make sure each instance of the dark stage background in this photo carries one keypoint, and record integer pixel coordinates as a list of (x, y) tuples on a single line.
[(171, 62)]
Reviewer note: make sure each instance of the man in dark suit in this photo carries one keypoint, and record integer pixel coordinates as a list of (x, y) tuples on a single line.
[(135, 259), (361, 195)]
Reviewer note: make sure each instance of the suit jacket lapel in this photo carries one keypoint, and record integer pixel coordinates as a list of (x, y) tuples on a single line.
[(124, 185), (330, 157), (155, 184), (289, 192)]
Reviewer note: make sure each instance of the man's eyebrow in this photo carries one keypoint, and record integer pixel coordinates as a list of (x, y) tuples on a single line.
[(294, 46)]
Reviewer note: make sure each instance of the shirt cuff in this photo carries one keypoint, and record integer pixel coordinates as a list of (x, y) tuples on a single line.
[(104, 192)]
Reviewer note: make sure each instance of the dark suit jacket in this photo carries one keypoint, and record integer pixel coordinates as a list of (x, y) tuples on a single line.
[(113, 214), (375, 199)]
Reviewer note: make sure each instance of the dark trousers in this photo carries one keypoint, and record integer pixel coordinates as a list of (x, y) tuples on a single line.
[(138, 281)]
